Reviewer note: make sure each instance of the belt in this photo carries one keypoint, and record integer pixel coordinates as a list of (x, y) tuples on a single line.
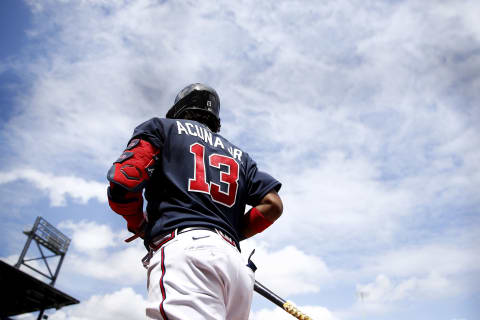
[(186, 229), (159, 241)]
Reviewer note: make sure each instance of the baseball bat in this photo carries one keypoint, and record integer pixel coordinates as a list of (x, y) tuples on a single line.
[(282, 303)]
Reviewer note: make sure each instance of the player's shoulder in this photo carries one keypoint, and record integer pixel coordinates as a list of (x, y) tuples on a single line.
[(156, 124), (154, 130)]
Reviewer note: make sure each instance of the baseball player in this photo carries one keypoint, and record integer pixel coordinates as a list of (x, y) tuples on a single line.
[(197, 185)]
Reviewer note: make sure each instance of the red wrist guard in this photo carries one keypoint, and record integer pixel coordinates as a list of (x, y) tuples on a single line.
[(257, 221), (124, 202), (127, 204), (135, 221)]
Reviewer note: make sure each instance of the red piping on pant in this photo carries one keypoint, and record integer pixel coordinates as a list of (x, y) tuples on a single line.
[(162, 287)]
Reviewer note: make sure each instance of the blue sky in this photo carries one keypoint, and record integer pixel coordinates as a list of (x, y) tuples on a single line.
[(367, 112)]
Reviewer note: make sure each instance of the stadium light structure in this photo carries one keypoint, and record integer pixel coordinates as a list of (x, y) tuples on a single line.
[(47, 236), (26, 293)]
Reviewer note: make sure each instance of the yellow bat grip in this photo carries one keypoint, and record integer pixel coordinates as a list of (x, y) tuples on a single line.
[(290, 308)]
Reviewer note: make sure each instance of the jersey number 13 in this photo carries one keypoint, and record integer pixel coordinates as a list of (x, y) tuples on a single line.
[(229, 177)]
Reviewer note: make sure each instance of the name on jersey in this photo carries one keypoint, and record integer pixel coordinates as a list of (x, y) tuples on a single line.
[(206, 135)]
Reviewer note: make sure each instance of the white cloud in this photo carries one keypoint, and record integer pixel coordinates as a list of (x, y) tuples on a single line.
[(120, 263), (412, 274), (11, 259), (89, 237), (122, 304), (383, 290), (287, 271), (99, 252), (381, 295), (444, 259), (59, 188)]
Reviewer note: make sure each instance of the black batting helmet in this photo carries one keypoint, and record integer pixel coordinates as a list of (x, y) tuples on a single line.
[(198, 97)]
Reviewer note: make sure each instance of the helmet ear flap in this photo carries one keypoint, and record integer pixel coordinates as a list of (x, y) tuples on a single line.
[(176, 109)]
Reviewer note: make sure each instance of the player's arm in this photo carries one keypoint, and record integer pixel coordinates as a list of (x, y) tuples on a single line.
[(128, 176), (127, 204), (262, 215)]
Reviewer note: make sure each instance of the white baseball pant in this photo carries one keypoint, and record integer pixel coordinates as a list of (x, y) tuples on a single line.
[(198, 275)]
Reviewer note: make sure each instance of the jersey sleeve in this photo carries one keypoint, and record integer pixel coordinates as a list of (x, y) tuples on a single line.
[(151, 130), (259, 183)]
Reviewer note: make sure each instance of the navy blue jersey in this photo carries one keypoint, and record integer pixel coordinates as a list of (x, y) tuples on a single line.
[(201, 179)]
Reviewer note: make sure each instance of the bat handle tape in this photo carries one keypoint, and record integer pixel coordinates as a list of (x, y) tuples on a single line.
[(290, 308)]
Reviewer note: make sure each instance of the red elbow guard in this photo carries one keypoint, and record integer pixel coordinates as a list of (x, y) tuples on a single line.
[(257, 221), (135, 165)]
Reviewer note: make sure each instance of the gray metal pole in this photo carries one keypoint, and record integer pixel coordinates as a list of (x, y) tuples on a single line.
[(40, 314), (58, 270), (24, 251), (27, 244)]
